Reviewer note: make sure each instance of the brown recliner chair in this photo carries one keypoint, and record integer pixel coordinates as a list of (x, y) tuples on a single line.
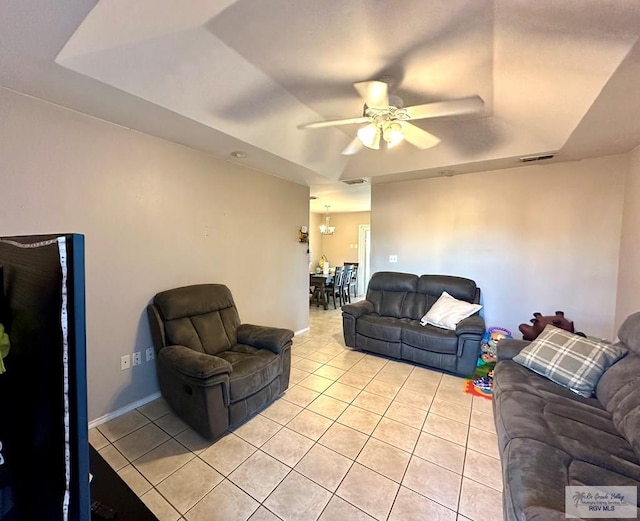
[(214, 371)]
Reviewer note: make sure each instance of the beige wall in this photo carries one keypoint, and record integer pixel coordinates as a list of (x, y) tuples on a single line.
[(629, 277), (315, 239), (538, 238), (155, 215), (342, 246)]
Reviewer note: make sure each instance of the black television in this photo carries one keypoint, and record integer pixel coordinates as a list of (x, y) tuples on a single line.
[(44, 459)]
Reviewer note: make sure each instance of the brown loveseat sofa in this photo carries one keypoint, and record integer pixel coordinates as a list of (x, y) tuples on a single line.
[(388, 321), (551, 437)]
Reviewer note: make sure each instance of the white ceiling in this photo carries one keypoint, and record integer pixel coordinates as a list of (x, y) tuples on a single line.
[(223, 75)]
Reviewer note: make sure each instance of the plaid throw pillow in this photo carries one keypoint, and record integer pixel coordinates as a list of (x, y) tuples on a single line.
[(569, 360)]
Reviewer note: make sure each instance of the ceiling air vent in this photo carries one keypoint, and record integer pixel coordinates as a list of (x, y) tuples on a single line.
[(529, 159), (355, 181)]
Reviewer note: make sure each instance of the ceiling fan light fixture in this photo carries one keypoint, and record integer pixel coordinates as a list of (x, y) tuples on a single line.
[(385, 117), (369, 136), (392, 134)]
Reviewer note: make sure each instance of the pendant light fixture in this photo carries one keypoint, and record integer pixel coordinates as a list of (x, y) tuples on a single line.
[(325, 229)]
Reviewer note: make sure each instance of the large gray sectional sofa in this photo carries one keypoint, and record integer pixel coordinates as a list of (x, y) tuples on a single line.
[(550, 437), (387, 322)]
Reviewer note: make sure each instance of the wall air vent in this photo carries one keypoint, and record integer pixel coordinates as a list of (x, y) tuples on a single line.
[(355, 181), (529, 159), (313, 197)]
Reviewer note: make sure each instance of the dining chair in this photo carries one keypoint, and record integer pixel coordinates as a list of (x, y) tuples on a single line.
[(335, 287), (346, 281), (353, 281)]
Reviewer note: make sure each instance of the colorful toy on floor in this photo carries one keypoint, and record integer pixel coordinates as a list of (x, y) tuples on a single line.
[(481, 382), (489, 353)]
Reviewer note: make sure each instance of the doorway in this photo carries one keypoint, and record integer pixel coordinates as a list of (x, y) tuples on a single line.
[(364, 256)]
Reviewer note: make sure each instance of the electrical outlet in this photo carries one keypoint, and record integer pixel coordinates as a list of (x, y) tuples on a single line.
[(393, 258), (137, 358), (125, 362), (150, 354)]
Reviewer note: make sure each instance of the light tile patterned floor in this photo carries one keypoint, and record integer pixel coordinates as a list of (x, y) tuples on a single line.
[(356, 437)]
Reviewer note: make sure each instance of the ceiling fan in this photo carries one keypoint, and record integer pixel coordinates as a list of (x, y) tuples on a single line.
[(387, 120)]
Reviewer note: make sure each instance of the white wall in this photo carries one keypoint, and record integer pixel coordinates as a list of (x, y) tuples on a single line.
[(537, 238), (629, 277), (155, 216)]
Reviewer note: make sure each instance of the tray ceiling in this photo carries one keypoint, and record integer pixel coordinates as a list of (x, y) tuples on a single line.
[(242, 75)]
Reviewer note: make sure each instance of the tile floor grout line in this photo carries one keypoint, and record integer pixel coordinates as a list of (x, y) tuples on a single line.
[(371, 369)]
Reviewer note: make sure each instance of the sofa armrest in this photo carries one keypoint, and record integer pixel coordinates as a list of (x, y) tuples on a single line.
[(471, 325), (264, 337), (192, 363), (357, 309), (350, 315), (510, 347)]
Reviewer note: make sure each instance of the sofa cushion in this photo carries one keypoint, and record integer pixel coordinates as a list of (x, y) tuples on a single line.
[(381, 328), (202, 317), (536, 473), (520, 399), (193, 300), (429, 338), (393, 281), (252, 370), (568, 359), (448, 311), (388, 291), (208, 333), (457, 287)]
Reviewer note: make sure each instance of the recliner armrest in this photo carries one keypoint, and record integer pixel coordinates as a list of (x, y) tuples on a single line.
[(357, 309), (473, 325), (264, 337), (193, 364), (510, 347)]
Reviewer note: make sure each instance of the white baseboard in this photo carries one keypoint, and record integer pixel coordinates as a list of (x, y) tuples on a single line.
[(123, 410), (305, 330)]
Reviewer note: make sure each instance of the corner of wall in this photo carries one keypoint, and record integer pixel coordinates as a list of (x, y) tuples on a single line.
[(628, 287)]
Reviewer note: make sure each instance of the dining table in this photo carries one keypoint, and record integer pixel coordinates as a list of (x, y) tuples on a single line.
[(318, 282)]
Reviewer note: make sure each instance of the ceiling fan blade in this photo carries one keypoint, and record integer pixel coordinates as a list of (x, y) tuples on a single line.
[(352, 148), (417, 137), (445, 108), (335, 122), (374, 93)]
